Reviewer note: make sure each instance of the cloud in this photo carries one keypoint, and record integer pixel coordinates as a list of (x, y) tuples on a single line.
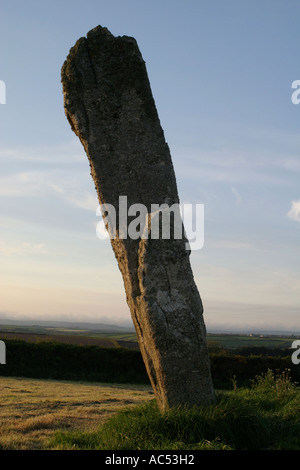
[(232, 166), (236, 195), (87, 202), (69, 152), (243, 316), (294, 212), (289, 164), (26, 183), (58, 171), (75, 190), (9, 249), (230, 244)]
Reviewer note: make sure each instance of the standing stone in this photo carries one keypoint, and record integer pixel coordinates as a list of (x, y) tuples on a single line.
[(110, 107)]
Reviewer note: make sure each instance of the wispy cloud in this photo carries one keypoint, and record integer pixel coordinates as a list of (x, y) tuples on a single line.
[(294, 212), (288, 164), (9, 249), (86, 201), (24, 184), (234, 166), (74, 189), (70, 152), (230, 244), (236, 195)]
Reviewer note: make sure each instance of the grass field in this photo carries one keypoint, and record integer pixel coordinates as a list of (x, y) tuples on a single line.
[(41, 414), (106, 337), (129, 340), (60, 415), (33, 411), (265, 416), (230, 341)]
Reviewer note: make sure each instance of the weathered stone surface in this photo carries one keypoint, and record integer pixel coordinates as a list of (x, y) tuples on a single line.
[(109, 104)]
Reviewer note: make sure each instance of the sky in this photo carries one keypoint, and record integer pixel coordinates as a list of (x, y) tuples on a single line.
[(221, 74)]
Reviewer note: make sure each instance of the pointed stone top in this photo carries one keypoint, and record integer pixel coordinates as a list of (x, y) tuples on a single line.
[(99, 31)]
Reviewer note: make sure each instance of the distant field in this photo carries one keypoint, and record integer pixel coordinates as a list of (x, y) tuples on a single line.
[(109, 341), (111, 338), (239, 341)]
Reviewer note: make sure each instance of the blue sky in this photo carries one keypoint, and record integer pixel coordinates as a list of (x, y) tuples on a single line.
[(221, 75)]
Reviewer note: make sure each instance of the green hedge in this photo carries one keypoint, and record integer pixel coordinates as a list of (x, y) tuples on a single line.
[(228, 366), (52, 360), (72, 362)]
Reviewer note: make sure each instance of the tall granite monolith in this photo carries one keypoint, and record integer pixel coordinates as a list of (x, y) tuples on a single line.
[(109, 104)]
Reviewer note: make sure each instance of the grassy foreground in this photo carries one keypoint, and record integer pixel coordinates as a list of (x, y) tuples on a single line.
[(48, 414), (32, 411), (264, 416)]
